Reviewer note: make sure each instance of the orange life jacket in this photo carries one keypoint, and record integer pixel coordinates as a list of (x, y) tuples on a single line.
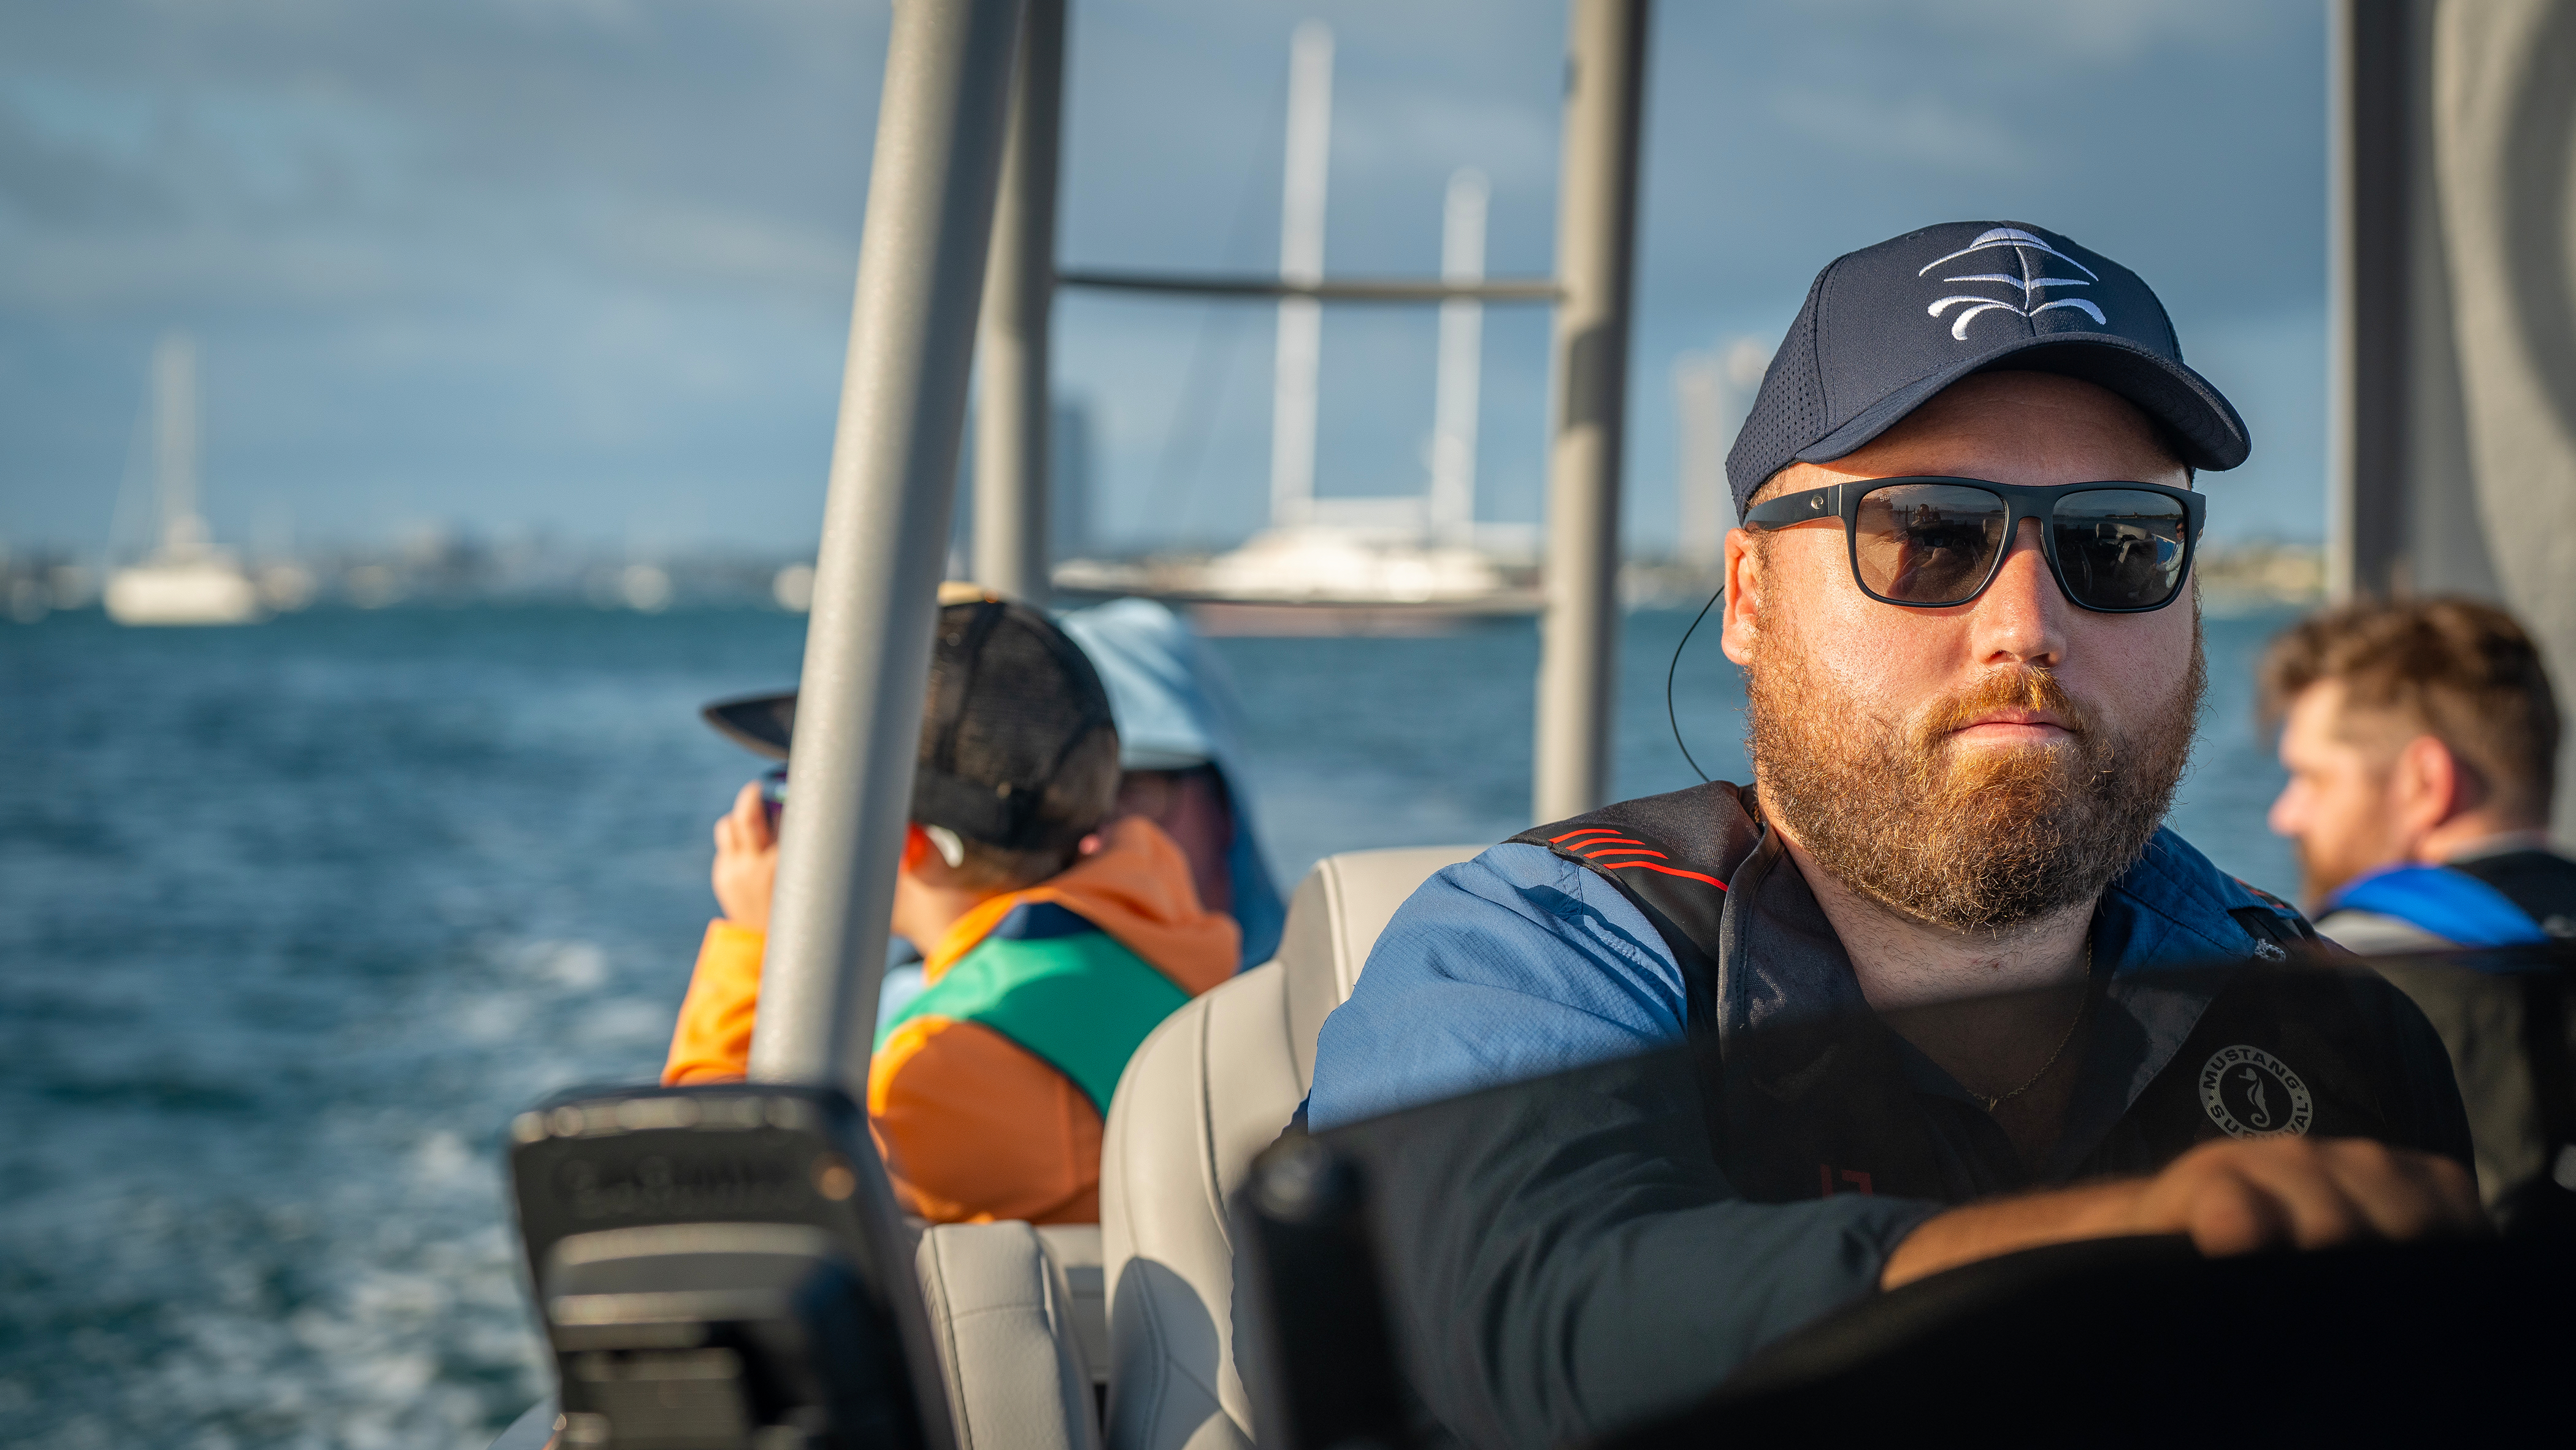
[(987, 1092)]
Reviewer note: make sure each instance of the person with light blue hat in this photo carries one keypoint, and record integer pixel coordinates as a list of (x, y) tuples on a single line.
[(1181, 745)]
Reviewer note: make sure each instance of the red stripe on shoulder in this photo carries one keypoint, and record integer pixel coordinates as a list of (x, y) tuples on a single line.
[(1669, 871)]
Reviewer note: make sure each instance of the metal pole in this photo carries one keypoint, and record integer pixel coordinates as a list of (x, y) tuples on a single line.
[(885, 534), (2339, 301), (2369, 267), (1012, 417), (1346, 289), (1596, 232)]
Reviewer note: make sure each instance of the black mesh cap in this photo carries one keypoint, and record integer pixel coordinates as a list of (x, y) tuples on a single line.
[(1010, 697), (1886, 327)]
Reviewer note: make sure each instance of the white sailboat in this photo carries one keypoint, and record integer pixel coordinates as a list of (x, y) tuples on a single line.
[(1404, 550), (187, 578), (1377, 562)]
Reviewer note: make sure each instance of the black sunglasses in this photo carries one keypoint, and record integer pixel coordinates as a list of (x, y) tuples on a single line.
[(1928, 543)]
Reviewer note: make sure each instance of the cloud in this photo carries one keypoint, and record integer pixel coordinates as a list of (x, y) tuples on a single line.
[(594, 136), (573, 261), (46, 178), (1923, 130), (2084, 32)]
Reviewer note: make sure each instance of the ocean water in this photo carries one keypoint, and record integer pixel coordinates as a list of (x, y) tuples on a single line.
[(292, 918)]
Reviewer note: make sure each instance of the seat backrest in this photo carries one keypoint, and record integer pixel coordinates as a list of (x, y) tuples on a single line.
[(1214, 1085), (1002, 1316)]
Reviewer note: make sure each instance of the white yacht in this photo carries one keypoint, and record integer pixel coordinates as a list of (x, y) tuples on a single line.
[(1328, 564), (187, 578)]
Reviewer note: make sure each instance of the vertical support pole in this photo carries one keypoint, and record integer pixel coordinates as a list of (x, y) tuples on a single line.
[(1596, 240), (885, 534), (2369, 264), (1011, 357)]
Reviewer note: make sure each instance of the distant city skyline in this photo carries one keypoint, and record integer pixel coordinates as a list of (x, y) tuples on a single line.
[(583, 269)]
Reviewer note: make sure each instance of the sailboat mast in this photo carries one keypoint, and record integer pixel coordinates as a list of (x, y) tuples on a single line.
[(1462, 336), (174, 427), (1301, 260)]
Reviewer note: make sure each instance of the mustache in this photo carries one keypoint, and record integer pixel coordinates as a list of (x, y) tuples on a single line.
[(1971, 840), (2024, 687)]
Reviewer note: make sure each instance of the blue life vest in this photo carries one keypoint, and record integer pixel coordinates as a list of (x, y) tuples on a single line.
[(2452, 905)]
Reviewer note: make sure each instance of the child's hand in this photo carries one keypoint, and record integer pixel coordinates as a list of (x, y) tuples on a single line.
[(746, 861)]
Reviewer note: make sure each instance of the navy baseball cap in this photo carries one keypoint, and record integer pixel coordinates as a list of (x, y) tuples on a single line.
[(1886, 327)]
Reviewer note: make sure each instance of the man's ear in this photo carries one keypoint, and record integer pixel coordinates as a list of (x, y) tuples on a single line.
[(2425, 788), (1740, 615), (916, 845)]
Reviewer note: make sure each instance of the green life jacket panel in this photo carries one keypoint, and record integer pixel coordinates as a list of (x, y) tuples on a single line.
[(1078, 1000)]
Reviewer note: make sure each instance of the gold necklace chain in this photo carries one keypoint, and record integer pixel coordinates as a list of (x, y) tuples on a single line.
[(2081, 1008)]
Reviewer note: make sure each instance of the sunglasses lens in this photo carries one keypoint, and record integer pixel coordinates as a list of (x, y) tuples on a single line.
[(2119, 548), (1927, 543)]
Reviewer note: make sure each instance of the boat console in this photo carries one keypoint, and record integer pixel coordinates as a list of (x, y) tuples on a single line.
[(723, 1266)]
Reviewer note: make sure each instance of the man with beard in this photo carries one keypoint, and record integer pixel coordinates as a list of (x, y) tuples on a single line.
[(1967, 495), (2421, 740)]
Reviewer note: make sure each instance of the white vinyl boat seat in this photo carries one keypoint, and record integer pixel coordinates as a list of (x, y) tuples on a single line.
[(1004, 1316), (1075, 1250), (1214, 1085)]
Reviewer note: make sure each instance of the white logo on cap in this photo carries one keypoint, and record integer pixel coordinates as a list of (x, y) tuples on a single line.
[(2023, 244)]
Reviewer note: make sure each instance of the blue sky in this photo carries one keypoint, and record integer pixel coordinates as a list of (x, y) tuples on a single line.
[(584, 266)]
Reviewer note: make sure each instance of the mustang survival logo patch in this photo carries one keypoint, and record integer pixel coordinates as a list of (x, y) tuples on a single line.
[(2253, 1094)]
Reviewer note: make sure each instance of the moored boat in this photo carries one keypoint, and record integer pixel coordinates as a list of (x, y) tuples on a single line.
[(187, 579)]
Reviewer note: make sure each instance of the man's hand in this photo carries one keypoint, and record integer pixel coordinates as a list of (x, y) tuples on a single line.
[(746, 860), (2231, 1197)]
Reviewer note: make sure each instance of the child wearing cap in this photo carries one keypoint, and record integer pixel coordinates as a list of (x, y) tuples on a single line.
[(1053, 938)]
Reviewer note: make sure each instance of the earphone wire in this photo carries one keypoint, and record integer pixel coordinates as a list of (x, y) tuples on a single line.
[(1672, 716)]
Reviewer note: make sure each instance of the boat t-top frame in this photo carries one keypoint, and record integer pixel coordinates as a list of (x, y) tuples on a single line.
[(957, 272)]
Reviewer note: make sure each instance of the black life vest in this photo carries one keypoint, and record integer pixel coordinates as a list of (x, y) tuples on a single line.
[(1672, 857), (1837, 1102), (2542, 883)]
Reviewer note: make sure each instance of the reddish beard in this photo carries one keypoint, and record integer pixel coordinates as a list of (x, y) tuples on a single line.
[(1970, 839)]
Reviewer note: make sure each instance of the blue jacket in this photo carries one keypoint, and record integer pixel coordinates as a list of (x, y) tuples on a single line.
[(2442, 902), (1537, 957)]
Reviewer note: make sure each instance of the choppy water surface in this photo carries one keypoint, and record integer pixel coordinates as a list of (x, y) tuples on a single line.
[(292, 917)]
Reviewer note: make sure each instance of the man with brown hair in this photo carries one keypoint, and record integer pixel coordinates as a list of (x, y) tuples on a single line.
[(2421, 737)]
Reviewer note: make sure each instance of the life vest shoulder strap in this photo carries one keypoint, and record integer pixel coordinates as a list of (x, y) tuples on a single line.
[(1672, 855), (2450, 904)]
